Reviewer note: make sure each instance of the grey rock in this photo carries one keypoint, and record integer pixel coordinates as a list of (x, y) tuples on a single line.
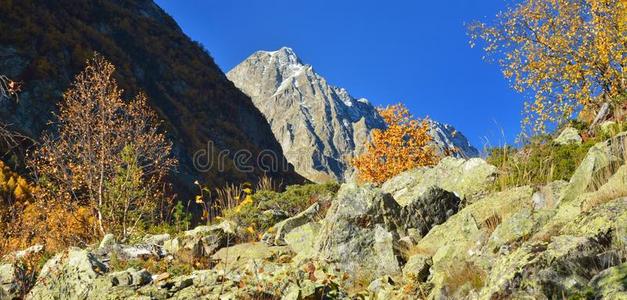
[(155, 239), (275, 236), (302, 240), (130, 252), (68, 275), (8, 282), (417, 267), (431, 208), (204, 241), (359, 232), (549, 195), (568, 136), (468, 179), (107, 241)]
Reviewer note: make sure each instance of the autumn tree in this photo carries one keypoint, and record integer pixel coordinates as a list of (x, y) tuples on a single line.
[(403, 145), (568, 55), (108, 154)]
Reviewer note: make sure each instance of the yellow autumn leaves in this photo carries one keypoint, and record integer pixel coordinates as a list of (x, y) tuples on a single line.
[(403, 145), (566, 54)]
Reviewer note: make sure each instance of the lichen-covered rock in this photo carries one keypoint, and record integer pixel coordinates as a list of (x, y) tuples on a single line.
[(302, 240), (549, 195), (235, 257), (417, 267), (556, 269), (203, 241), (155, 239), (519, 227), (359, 232), (468, 179), (610, 283), (382, 288), (275, 236), (600, 177), (68, 275), (568, 136), (119, 285), (608, 217), (8, 282), (466, 224), (598, 158)]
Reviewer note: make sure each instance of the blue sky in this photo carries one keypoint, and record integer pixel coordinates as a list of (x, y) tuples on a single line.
[(415, 52)]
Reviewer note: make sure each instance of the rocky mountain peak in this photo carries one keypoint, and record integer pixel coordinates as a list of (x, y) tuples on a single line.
[(319, 126)]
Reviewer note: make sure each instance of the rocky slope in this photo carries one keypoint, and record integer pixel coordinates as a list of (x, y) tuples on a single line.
[(435, 233), (44, 44), (319, 126)]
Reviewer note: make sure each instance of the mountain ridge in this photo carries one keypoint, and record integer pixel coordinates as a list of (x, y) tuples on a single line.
[(49, 42), (287, 91)]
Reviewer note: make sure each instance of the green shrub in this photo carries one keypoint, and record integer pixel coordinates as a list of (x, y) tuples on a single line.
[(295, 199), (539, 162)]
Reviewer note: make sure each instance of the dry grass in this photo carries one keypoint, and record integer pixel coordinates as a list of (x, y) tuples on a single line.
[(229, 196), (266, 183), (492, 222), (417, 250), (466, 272)]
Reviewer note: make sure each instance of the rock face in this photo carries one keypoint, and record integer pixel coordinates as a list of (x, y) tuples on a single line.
[(69, 274), (468, 179), (193, 97), (568, 136), (359, 232), (319, 126)]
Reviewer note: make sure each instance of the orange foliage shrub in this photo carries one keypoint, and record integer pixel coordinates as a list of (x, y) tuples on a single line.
[(26, 219), (403, 145)]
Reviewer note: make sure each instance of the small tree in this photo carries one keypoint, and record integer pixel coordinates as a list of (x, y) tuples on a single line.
[(403, 145), (108, 154), (570, 54)]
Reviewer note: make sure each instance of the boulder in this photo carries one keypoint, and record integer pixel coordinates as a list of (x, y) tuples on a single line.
[(155, 239), (302, 240), (568, 136), (417, 267), (517, 228), (9, 287), (68, 275), (465, 226), (382, 288), (14, 276), (549, 195), (599, 158), (275, 236), (599, 178), (608, 217), (119, 285), (130, 252), (358, 233), (235, 257), (468, 179), (202, 241), (431, 208), (610, 283), (107, 241), (558, 268)]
